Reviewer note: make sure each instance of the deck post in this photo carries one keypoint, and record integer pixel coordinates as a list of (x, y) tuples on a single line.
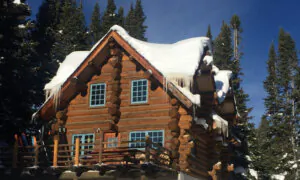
[(76, 163), (36, 153), (100, 148), (15, 153), (55, 151), (147, 149)]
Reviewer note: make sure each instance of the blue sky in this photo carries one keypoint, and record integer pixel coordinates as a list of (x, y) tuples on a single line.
[(169, 21)]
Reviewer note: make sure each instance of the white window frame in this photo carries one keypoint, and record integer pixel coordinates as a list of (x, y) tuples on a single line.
[(139, 102), (146, 133), (82, 140), (91, 94)]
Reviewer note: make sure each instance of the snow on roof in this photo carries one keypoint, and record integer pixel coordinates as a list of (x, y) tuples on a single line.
[(221, 124), (66, 68), (195, 98), (177, 62), (222, 78), (181, 57)]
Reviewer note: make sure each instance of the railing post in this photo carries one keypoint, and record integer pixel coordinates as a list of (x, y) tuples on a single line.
[(100, 147), (55, 151), (36, 153), (15, 153), (76, 163), (147, 149)]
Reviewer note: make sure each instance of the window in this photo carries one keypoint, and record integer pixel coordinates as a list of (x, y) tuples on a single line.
[(139, 91), (156, 136), (112, 142), (84, 139), (97, 94)]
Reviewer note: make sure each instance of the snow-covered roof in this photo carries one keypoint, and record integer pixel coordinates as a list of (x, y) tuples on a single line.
[(17, 1), (177, 62), (66, 68), (222, 79)]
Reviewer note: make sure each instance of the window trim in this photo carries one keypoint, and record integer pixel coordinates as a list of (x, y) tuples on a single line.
[(147, 131), (90, 97), (82, 146), (131, 93)]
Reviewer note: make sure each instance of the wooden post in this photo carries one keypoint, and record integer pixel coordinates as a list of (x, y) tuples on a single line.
[(147, 149), (76, 163), (55, 151), (36, 153), (100, 147), (15, 153)]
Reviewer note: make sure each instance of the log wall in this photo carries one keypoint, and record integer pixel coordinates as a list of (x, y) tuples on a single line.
[(153, 115)]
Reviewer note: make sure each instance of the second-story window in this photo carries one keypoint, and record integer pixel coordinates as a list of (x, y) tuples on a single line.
[(139, 91), (97, 94)]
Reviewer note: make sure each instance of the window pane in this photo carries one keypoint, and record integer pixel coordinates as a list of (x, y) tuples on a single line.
[(97, 94)]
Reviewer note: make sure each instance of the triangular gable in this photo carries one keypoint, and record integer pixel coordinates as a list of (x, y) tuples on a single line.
[(48, 108)]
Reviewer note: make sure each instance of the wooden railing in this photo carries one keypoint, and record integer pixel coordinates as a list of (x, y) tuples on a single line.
[(70, 155)]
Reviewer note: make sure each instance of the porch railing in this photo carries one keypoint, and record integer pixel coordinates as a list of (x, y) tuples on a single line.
[(69, 155)]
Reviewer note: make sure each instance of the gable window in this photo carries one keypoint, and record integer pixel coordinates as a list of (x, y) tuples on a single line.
[(156, 136), (86, 142), (139, 91), (97, 94)]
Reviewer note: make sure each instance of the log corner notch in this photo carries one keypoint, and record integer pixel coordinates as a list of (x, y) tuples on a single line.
[(175, 130), (115, 62), (79, 86)]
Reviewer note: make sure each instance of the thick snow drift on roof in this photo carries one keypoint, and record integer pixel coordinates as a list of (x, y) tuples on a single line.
[(66, 68), (181, 57), (222, 78)]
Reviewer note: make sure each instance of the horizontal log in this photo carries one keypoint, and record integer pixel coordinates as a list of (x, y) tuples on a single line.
[(185, 118), (182, 111)]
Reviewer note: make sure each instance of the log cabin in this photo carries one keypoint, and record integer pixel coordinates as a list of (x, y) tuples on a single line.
[(126, 98)]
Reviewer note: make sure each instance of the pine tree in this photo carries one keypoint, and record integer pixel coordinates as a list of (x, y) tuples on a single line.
[(130, 22), (95, 27), (285, 120), (109, 18), (17, 71), (72, 32), (140, 20), (121, 17), (47, 20), (208, 33), (223, 51)]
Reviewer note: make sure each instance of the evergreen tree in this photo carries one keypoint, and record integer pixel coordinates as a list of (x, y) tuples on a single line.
[(47, 20), (130, 22), (121, 17), (95, 27), (72, 32), (223, 51), (208, 33), (109, 18), (140, 19), (17, 71)]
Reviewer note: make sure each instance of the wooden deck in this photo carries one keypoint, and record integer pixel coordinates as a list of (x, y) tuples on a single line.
[(64, 160)]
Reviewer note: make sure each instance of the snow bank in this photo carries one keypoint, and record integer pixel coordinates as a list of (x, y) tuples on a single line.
[(66, 68), (222, 124)]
